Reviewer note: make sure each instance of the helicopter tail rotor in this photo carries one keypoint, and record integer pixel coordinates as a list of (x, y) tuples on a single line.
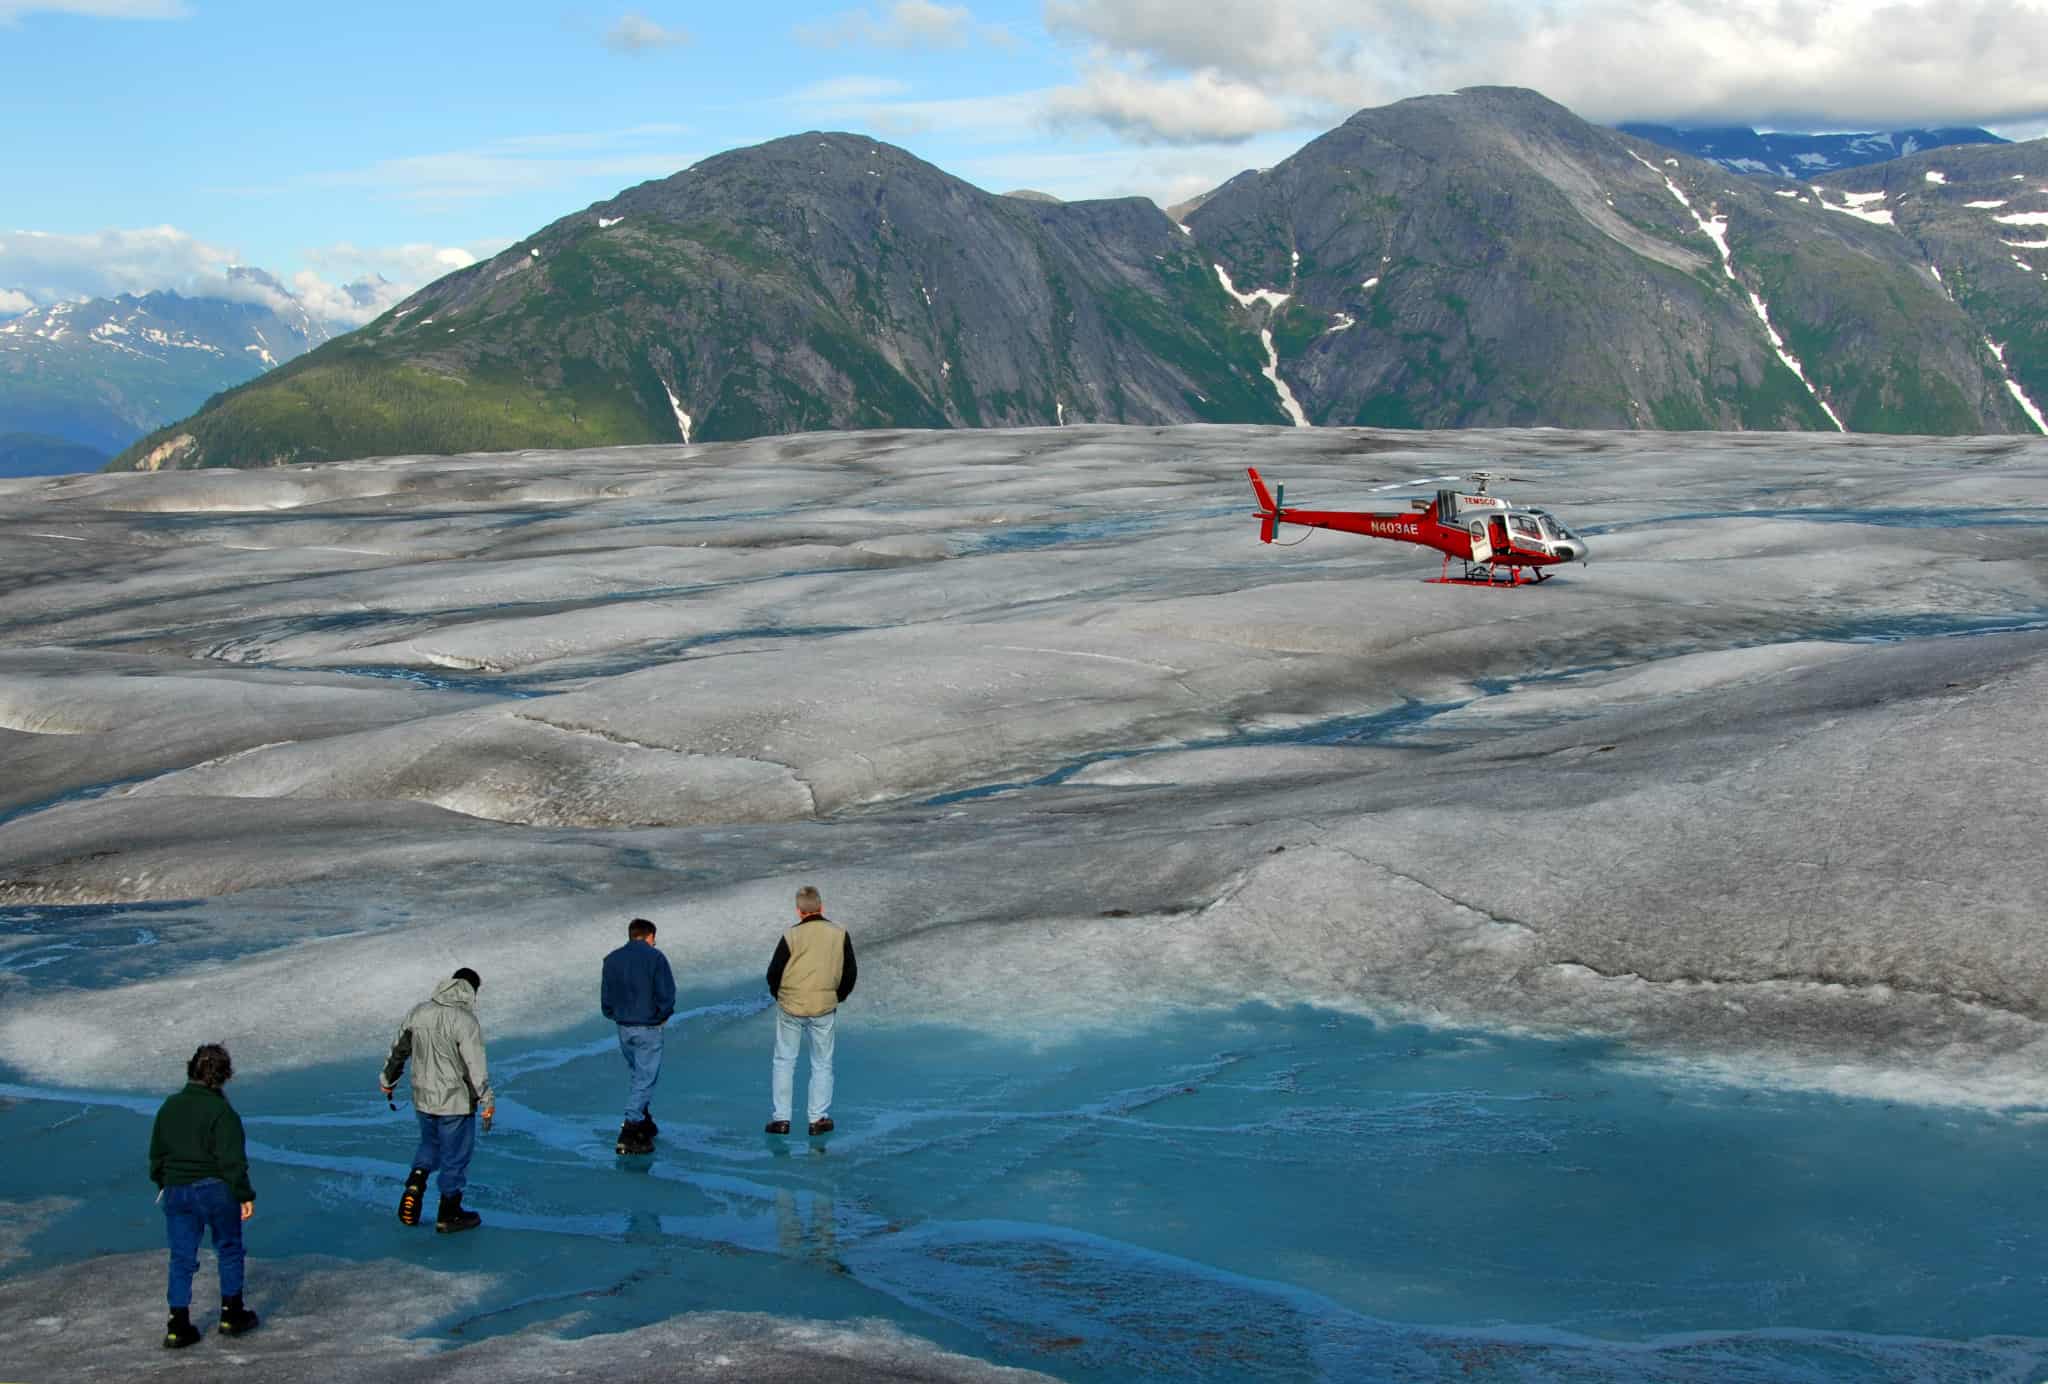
[(1269, 505)]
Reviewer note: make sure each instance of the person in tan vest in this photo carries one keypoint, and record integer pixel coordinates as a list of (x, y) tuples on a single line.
[(810, 975)]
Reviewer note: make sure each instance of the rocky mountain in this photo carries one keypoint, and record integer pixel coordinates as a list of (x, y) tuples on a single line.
[(1489, 259), (103, 372), (1780, 154), (1485, 258), (821, 281), (1978, 218)]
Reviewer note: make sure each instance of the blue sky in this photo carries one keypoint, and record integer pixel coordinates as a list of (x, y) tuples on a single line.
[(153, 141)]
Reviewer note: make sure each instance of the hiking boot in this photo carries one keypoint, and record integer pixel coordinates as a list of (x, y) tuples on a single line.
[(633, 1139), (413, 1197), (822, 1126), (778, 1126), (452, 1218), (647, 1123), (235, 1318), (179, 1331)]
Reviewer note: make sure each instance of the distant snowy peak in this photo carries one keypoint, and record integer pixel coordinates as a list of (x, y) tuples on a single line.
[(102, 372), (1783, 154), (157, 324)]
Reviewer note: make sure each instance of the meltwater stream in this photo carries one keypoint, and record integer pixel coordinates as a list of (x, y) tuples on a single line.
[(1257, 1194)]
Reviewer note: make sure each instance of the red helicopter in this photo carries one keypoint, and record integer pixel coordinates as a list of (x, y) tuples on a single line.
[(1484, 532)]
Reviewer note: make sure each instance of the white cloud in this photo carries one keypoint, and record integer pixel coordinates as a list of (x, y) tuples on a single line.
[(416, 263), (581, 141), (1204, 107), (11, 10), (1242, 38), (454, 176), (1165, 173), (1010, 125), (238, 289), (39, 268), (636, 33), (379, 276), (1833, 64), (371, 298), (49, 267), (907, 24), (845, 91), (863, 104), (515, 164)]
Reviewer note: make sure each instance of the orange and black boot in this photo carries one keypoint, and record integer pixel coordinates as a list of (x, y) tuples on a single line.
[(413, 1198)]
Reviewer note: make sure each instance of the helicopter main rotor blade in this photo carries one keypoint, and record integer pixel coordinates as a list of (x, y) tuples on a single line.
[(1420, 480)]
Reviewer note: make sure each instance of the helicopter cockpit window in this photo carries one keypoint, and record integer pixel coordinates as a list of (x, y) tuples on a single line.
[(1525, 526), (1553, 529)]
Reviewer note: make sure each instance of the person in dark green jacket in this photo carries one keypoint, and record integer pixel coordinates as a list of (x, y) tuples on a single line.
[(201, 1169)]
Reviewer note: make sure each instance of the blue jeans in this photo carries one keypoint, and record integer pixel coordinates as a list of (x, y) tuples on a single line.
[(789, 1036), (189, 1212), (641, 1046), (446, 1142)]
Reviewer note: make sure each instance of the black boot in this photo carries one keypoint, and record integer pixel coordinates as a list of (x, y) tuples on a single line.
[(633, 1139), (413, 1197), (647, 1123), (235, 1318), (452, 1218), (179, 1331)]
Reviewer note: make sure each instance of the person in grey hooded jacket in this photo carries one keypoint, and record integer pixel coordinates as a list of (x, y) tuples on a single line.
[(451, 1086)]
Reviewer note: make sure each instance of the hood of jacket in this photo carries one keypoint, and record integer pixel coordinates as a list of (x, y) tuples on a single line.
[(459, 994)]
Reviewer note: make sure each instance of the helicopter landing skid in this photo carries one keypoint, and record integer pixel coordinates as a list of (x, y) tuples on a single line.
[(1488, 574)]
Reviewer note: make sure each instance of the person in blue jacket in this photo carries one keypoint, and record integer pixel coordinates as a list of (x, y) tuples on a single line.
[(639, 995)]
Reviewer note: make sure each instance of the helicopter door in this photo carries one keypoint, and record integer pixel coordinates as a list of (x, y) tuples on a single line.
[(1482, 546)]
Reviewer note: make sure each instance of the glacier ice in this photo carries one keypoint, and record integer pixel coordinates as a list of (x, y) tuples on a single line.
[(1746, 802)]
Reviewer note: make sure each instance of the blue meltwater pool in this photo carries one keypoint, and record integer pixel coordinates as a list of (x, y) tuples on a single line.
[(1255, 1194)]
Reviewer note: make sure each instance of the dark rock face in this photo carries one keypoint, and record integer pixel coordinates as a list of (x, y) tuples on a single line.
[(1486, 258), (844, 283), (1978, 218), (1784, 154), (1527, 267), (823, 281)]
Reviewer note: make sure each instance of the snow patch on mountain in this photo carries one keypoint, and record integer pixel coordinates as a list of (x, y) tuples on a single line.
[(1272, 372), (1716, 230), (683, 420), (1270, 297), (2012, 385), (1858, 206)]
